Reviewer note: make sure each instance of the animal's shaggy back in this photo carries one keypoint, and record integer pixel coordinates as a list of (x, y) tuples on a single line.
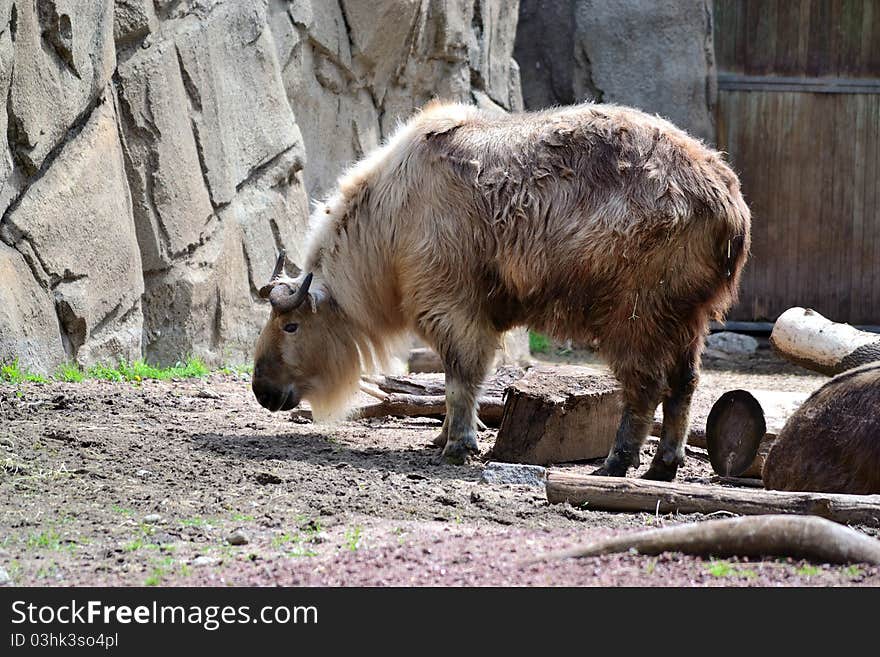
[(588, 221)]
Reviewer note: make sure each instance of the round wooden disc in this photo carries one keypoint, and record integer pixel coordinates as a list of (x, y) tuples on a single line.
[(734, 430)]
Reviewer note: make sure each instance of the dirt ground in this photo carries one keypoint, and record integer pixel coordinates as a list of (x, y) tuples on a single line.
[(122, 484)]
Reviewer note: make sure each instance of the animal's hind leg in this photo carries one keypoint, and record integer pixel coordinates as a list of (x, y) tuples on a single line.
[(640, 401), (676, 408)]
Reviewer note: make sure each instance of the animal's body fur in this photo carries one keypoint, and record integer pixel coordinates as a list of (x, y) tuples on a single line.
[(832, 442), (592, 221)]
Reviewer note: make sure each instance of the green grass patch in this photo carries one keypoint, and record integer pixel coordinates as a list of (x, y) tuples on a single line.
[(13, 373), (353, 538), (138, 371), (70, 373), (538, 343), (133, 372), (852, 571), (809, 571), (296, 544), (725, 569)]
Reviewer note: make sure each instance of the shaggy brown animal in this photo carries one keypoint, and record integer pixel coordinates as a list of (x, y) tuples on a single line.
[(832, 442), (591, 221)]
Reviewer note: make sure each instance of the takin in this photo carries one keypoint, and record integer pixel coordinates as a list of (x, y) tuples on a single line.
[(590, 222)]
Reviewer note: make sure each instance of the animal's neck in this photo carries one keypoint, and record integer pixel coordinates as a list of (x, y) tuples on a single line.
[(354, 260)]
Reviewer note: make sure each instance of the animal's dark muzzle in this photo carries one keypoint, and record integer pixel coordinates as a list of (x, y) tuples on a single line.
[(274, 398)]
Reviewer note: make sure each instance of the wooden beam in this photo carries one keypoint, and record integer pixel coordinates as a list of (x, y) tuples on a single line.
[(824, 85), (622, 494)]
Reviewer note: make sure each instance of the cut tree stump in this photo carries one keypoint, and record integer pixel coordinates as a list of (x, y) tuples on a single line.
[(806, 338), (559, 414), (742, 427), (801, 537), (622, 494)]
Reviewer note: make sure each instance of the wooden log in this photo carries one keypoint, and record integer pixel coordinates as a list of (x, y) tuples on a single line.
[(742, 427), (559, 414), (801, 537), (806, 338), (426, 383), (832, 442), (403, 405), (622, 494)]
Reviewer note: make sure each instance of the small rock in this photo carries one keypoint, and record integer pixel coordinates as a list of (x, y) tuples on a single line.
[(206, 393), (727, 344), (5, 579), (265, 478), (144, 473), (238, 537), (205, 561), (152, 519), (513, 473)]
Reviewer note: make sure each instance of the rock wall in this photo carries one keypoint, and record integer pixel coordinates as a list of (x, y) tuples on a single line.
[(657, 55), (158, 153)]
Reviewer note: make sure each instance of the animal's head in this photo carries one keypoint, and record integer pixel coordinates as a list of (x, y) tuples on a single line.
[(304, 351)]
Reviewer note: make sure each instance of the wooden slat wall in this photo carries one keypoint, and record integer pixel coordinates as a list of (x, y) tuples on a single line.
[(809, 162), (816, 38)]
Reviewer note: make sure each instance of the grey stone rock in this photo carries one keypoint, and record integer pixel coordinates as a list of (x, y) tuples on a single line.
[(155, 159), (513, 473), (202, 305), (63, 59), (75, 229), (232, 76), (238, 537), (205, 561), (657, 56), (493, 30), (28, 324), (152, 519), (544, 51), (654, 55), (354, 69), (729, 344), (5, 579), (133, 20), (172, 208)]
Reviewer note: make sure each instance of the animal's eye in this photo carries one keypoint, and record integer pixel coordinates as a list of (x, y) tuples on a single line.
[(291, 328)]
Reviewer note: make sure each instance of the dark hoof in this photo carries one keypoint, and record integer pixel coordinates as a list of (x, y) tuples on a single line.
[(440, 440), (615, 466), (660, 473), (605, 471), (457, 453)]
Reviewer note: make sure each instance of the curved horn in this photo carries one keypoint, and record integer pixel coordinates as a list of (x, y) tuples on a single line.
[(279, 266), (283, 299)]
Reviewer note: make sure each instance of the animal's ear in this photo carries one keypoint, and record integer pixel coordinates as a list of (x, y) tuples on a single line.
[(318, 297)]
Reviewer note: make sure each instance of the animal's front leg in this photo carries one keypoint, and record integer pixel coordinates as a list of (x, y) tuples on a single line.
[(460, 425)]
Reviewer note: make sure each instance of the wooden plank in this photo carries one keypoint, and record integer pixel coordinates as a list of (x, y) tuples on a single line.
[(761, 25), (823, 85), (820, 39), (639, 495), (872, 208)]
